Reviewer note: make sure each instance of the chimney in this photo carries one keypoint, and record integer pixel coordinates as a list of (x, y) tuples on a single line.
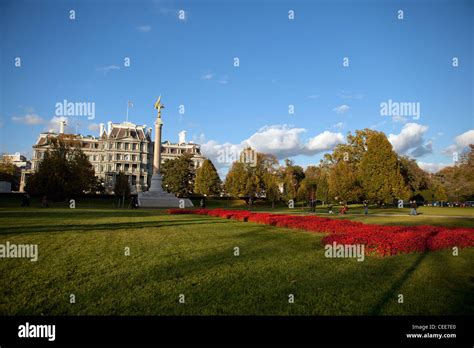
[(149, 131), (182, 137), (62, 124), (109, 127), (102, 128)]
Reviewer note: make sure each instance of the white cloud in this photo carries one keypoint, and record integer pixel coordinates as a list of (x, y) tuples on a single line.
[(279, 140), (29, 119), (431, 167), (323, 142), (108, 68), (339, 125), (144, 28), (207, 76), (93, 127), (27, 109), (224, 79), (400, 119), (410, 140), (422, 149), (201, 139), (378, 125), (282, 141), (349, 95), (460, 142), (341, 109), (313, 96)]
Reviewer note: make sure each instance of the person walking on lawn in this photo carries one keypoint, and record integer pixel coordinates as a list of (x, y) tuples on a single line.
[(413, 208), (366, 207), (312, 204)]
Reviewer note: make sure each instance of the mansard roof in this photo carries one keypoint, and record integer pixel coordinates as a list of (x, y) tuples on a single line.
[(128, 130)]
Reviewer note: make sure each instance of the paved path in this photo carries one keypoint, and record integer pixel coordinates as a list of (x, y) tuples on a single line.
[(379, 214), (427, 215)]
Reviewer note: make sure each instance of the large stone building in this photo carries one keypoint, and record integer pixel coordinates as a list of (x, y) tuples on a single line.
[(122, 147), (20, 164)]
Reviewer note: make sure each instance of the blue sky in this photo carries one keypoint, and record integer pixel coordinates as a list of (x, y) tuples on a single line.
[(283, 62)]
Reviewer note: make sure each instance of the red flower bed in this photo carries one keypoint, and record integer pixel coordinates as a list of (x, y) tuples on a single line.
[(378, 239)]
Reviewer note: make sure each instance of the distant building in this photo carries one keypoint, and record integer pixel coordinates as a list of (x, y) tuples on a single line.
[(18, 160), (174, 150), (21, 164), (122, 147)]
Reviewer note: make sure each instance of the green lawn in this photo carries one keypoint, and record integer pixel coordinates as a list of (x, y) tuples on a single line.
[(82, 252)]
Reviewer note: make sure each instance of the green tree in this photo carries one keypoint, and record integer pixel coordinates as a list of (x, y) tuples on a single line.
[(322, 191), (416, 179), (84, 176), (309, 185), (435, 191), (9, 172), (207, 180), (343, 182), (122, 187), (292, 177), (342, 167), (179, 175), (236, 181), (272, 189), (458, 180), (266, 164), (380, 171), (256, 178), (63, 172), (99, 186)]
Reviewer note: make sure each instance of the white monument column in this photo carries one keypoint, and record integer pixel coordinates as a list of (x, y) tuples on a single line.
[(156, 197), (157, 147)]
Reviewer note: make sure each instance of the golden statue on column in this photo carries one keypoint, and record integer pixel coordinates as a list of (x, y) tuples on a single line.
[(156, 197), (159, 106)]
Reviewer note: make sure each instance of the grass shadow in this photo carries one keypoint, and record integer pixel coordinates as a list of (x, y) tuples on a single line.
[(106, 226), (397, 285)]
